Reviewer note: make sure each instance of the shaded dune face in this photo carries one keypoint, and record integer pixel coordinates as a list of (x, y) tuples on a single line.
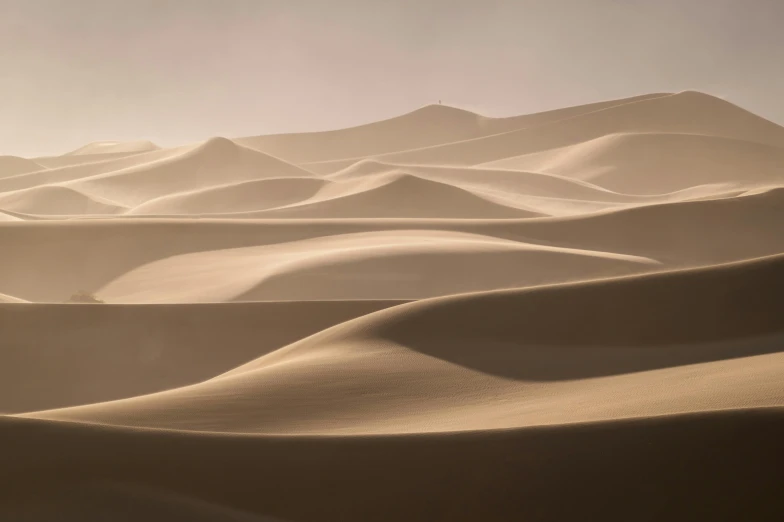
[(569, 315)]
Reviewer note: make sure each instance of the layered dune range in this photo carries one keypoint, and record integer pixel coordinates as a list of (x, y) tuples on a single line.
[(569, 315)]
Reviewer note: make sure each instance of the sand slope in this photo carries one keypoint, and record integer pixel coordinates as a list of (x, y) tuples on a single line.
[(244, 196), (60, 171), (569, 315), (501, 360), (4, 298), (13, 165), (133, 350), (658, 163), (686, 113), (215, 162), (57, 200), (49, 260), (405, 264), (430, 125), (114, 147)]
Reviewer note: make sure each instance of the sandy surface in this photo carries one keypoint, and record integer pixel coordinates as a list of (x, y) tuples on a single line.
[(571, 315)]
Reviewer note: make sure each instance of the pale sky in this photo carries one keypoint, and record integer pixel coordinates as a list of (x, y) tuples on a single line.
[(179, 71)]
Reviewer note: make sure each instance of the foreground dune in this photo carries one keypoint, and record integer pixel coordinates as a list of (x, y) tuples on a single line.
[(726, 462), (657, 163), (133, 350), (502, 360), (569, 315)]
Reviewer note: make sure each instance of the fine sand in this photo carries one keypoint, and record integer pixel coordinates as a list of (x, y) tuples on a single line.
[(569, 315)]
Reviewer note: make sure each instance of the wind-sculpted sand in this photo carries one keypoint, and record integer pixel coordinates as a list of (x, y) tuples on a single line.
[(571, 315)]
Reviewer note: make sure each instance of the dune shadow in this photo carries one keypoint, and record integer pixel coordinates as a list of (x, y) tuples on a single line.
[(609, 327), (563, 362)]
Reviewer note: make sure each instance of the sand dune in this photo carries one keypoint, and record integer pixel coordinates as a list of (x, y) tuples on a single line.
[(10, 299), (52, 162), (501, 360), (427, 126), (49, 260), (545, 192), (658, 163), (399, 196), (381, 265), (69, 171), (114, 147), (56, 199), (499, 180), (138, 178), (726, 463), (133, 350), (438, 316), (215, 162), (244, 196), (8, 216), (13, 165), (686, 113)]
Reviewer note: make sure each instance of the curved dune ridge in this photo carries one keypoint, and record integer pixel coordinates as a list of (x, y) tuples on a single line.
[(247, 196), (427, 126), (568, 315), (686, 112), (657, 162), (114, 147), (10, 299), (14, 165), (58, 200), (406, 264), (534, 368)]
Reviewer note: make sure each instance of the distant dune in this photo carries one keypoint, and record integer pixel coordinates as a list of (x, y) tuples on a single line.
[(655, 163), (243, 196), (114, 147), (685, 113), (10, 299), (13, 165), (569, 315), (57, 200), (404, 264)]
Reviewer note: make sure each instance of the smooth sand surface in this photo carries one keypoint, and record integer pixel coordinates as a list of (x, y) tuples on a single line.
[(114, 147), (13, 165), (570, 315)]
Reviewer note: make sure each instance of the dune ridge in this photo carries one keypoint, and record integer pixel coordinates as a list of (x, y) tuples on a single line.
[(429, 125), (568, 315), (14, 165), (405, 264), (114, 147), (618, 341), (686, 112)]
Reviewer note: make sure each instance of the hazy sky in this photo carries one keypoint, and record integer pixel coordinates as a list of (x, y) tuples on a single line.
[(178, 71)]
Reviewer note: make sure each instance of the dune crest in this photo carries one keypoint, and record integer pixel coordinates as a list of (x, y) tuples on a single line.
[(114, 147), (13, 165)]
